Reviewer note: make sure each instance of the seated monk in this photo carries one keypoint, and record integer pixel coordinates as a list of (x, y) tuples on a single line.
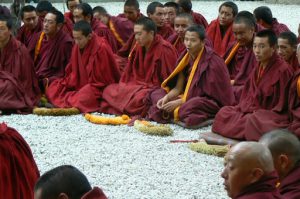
[(151, 63), (195, 90), (264, 17), (263, 103), (285, 149), (186, 7), (181, 23), (219, 30), (287, 45), (155, 11), (249, 172), (18, 170), (18, 83), (84, 11), (66, 182), (121, 27), (31, 26), (239, 57), (71, 5), (91, 68), (51, 49), (131, 10)]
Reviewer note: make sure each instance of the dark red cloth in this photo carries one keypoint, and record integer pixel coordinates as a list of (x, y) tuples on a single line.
[(18, 83), (18, 170), (69, 15), (103, 31), (279, 27), (294, 105), (220, 43), (87, 74), (126, 49), (68, 26), (123, 27), (24, 35), (290, 186), (207, 92), (178, 43), (293, 62), (124, 16), (165, 31), (54, 55), (265, 188), (262, 106), (199, 19), (95, 193), (142, 73)]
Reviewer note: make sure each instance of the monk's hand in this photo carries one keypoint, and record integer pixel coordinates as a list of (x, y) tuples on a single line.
[(160, 103), (232, 82), (172, 105)]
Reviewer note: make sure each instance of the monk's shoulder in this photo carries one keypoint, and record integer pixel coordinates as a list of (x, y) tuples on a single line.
[(166, 46)]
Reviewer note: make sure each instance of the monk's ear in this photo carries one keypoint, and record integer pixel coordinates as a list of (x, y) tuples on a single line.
[(89, 37), (257, 173), (63, 196), (283, 161)]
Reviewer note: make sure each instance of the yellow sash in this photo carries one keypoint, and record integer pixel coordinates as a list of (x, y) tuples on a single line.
[(38, 46), (134, 47), (298, 86), (113, 29), (175, 43), (232, 53)]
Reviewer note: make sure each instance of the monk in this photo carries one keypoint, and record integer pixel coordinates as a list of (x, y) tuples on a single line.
[(66, 181), (71, 5), (131, 10), (181, 23), (18, 170), (18, 83), (31, 24), (284, 147), (294, 100), (239, 56), (264, 17), (263, 103), (42, 8), (155, 11), (186, 6), (195, 90), (249, 172), (90, 70), (84, 11), (121, 27), (51, 49), (219, 30), (151, 63), (287, 45), (171, 11)]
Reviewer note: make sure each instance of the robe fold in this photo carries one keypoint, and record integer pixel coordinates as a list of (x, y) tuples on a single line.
[(68, 27), (24, 35), (165, 31), (290, 186), (262, 106), (18, 83), (121, 28), (265, 188), (294, 104), (220, 43), (53, 56), (293, 62), (95, 193), (69, 15), (18, 169), (87, 74), (209, 90), (199, 19), (279, 27), (177, 43), (143, 73)]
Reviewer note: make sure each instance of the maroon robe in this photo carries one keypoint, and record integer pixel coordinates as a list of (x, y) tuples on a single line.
[(220, 42), (124, 16), (177, 43), (53, 57), (293, 62), (95, 193), (262, 106), (294, 105), (142, 73), (165, 31), (279, 27), (18, 83), (199, 19), (18, 170), (24, 35), (86, 76), (69, 15), (68, 26), (265, 188), (206, 94), (290, 186)]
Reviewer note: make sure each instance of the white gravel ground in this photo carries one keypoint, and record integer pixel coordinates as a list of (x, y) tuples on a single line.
[(124, 162)]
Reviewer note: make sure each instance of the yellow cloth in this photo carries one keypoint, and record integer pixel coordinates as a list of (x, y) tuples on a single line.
[(232, 53), (38, 46), (96, 119)]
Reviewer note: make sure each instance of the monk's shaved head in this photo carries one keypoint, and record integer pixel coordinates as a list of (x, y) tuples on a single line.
[(246, 18)]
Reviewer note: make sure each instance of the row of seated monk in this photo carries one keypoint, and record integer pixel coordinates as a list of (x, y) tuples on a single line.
[(267, 169), (250, 90)]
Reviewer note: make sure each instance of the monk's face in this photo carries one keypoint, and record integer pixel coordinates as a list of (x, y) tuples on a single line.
[(225, 16), (262, 49), (180, 25), (131, 13), (103, 18), (72, 5), (193, 43), (4, 33), (80, 39), (158, 16), (243, 33), (285, 49), (143, 37), (30, 20), (170, 14), (50, 26), (78, 16)]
